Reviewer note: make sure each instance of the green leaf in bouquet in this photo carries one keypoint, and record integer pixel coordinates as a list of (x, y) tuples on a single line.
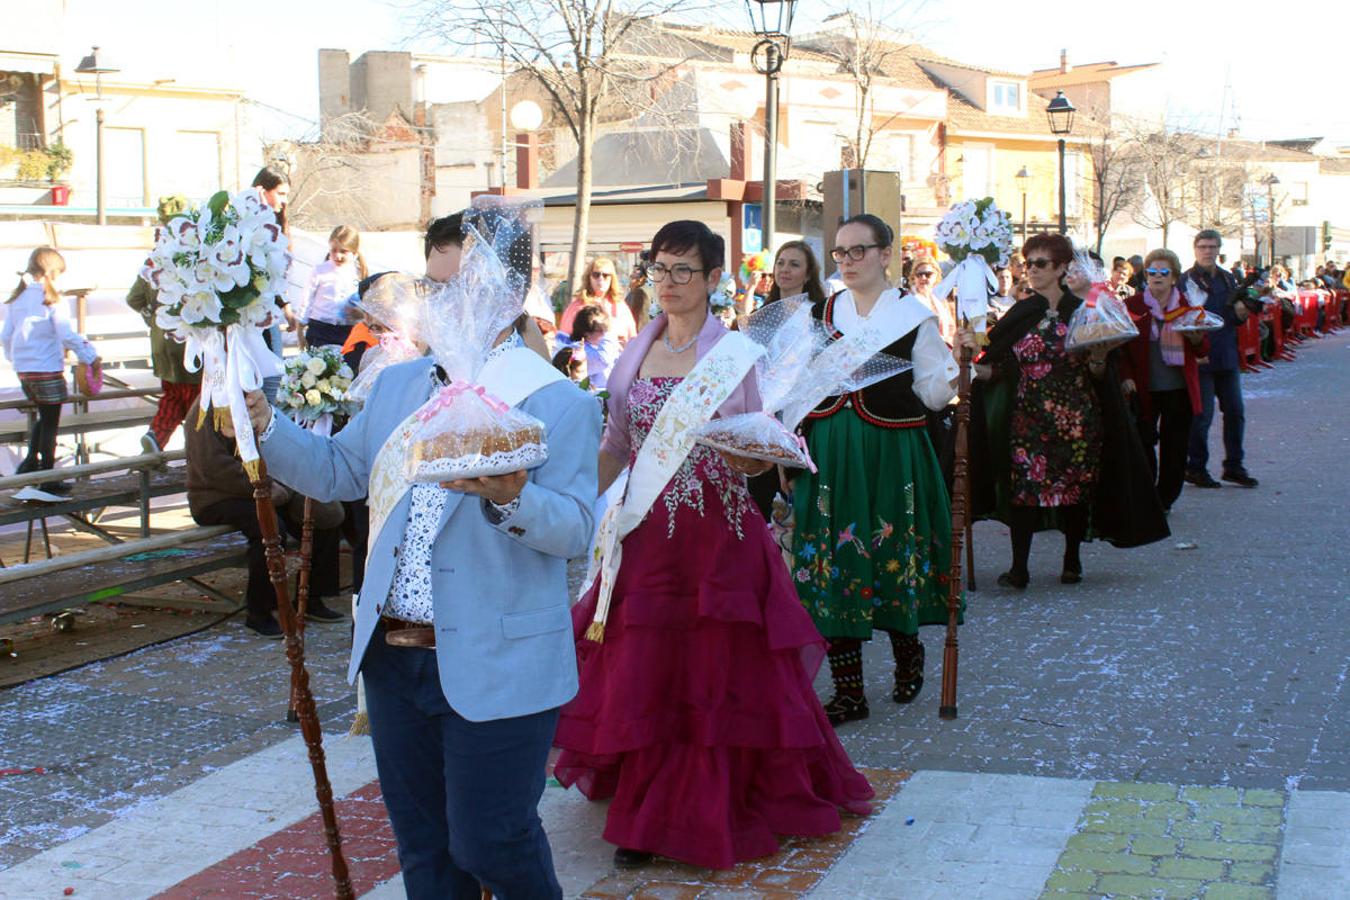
[(218, 202), (239, 297)]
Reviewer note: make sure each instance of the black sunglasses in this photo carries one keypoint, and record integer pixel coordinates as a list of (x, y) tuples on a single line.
[(1040, 262)]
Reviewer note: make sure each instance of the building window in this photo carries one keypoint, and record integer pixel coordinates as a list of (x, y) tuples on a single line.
[(1006, 97), (1298, 193), (977, 166), (195, 168), (124, 162)]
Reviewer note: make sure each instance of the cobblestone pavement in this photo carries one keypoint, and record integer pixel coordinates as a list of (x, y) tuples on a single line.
[(1176, 725)]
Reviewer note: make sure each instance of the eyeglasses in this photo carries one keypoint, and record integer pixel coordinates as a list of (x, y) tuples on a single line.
[(1158, 271), (855, 253), (680, 274), (1040, 262), (602, 275)]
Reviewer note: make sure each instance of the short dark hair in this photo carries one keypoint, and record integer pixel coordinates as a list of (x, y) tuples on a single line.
[(881, 232), (1209, 234), (269, 178), (589, 318), (683, 235), (445, 230), (1058, 247)]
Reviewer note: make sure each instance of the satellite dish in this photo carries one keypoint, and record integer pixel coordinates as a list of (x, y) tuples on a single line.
[(526, 115)]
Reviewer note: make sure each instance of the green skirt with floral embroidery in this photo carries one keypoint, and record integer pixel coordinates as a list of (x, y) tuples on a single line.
[(872, 545)]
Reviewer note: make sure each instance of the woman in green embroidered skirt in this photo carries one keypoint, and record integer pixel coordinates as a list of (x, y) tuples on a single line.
[(872, 544)]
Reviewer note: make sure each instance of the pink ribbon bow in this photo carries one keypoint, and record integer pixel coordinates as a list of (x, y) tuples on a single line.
[(446, 395)]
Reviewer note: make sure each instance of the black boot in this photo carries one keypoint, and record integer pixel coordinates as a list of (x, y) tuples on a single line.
[(849, 703), (909, 658)]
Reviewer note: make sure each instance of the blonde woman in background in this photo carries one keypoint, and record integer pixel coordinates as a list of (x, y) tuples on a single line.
[(600, 287)]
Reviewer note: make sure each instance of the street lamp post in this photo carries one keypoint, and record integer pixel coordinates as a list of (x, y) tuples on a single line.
[(1023, 177), (771, 21), (1060, 113), (92, 65), (1270, 210)]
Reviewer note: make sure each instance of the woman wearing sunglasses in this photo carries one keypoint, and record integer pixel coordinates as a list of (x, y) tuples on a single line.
[(872, 543), (1161, 370), (601, 288), (1052, 444)]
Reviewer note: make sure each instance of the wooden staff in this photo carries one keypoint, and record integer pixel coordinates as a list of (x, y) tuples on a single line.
[(302, 599), (304, 700), (960, 524)]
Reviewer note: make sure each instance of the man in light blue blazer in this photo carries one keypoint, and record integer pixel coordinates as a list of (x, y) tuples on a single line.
[(461, 730)]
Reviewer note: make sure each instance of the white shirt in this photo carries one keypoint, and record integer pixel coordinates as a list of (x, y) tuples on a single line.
[(934, 368), (36, 335), (329, 288)]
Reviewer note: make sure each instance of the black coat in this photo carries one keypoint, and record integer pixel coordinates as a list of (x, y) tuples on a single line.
[(1125, 507)]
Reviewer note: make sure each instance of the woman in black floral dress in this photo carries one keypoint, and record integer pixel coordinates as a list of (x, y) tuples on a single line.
[(1044, 420)]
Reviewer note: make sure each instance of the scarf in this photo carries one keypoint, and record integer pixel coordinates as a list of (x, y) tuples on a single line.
[(1170, 343)]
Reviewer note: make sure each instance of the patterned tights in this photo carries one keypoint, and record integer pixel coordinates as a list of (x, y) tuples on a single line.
[(845, 655)]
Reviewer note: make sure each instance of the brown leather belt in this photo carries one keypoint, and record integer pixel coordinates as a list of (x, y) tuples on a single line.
[(402, 633)]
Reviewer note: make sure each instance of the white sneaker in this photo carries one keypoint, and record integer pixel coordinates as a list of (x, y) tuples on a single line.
[(149, 444)]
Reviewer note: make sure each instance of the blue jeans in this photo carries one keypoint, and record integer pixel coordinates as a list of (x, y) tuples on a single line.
[(1227, 386), (462, 796)]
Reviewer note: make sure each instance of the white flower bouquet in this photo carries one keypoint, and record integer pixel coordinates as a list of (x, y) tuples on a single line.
[(218, 270), (314, 389), (977, 235)]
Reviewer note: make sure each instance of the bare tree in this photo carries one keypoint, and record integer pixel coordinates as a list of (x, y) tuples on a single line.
[(1115, 178), (1163, 161), (867, 51), (577, 51)]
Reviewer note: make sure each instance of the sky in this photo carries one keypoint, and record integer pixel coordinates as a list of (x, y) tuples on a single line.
[(1283, 75)]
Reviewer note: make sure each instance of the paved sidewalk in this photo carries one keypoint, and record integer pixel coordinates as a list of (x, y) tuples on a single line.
[(1176, 726)]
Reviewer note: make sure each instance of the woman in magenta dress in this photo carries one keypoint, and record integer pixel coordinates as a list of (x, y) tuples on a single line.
[(696, 712)]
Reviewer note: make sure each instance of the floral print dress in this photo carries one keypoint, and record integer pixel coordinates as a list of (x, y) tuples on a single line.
[(1056, 429)]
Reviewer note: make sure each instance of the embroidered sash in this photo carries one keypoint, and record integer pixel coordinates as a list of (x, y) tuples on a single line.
[(692, 404), (511, 377)]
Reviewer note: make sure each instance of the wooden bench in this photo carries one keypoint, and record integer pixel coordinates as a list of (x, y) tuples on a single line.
[(83, 423), (146, 393), (107, 573)]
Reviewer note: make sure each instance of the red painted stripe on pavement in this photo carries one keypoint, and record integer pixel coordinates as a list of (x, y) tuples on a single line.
[(293, 864)]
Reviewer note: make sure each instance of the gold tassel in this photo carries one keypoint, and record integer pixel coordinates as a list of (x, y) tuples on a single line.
[(201, 416), (253, 471), (596, 632), (360, 725), (220, 416)]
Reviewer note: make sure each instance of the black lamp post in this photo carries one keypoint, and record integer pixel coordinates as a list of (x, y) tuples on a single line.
[(771, 21), (98, 67), (1271, 181), (1023, 178), (1060, 113)]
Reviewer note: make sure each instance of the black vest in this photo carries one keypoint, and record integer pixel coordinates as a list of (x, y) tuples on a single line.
[(887, 404)]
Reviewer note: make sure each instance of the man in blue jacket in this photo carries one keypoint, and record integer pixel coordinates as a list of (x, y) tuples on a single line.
[(1219, 376), (463, 633)]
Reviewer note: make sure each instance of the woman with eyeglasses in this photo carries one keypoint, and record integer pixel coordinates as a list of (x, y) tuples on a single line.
[(601, 288), (872, 543), (696, 712), (1160, 370), (923, 278), (1052, 444)]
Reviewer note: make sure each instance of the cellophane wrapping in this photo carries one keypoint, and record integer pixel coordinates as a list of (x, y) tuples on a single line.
[(801, 366), (1102, 319), (463, 431), (1198, 319), (390, 308), (791, 338)]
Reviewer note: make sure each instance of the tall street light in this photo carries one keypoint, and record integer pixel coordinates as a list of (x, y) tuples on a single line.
[(1270, 210), (771, 21), (1060, 113), (1023, 178), (98, 67)]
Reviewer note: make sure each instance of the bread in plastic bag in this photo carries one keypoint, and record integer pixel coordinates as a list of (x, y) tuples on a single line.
[(463, 431), (1102, 320), (1198, 319), (800, 368)]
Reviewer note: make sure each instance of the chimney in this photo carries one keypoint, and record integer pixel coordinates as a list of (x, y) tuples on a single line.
[(1063, 61), (1234, 134)]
